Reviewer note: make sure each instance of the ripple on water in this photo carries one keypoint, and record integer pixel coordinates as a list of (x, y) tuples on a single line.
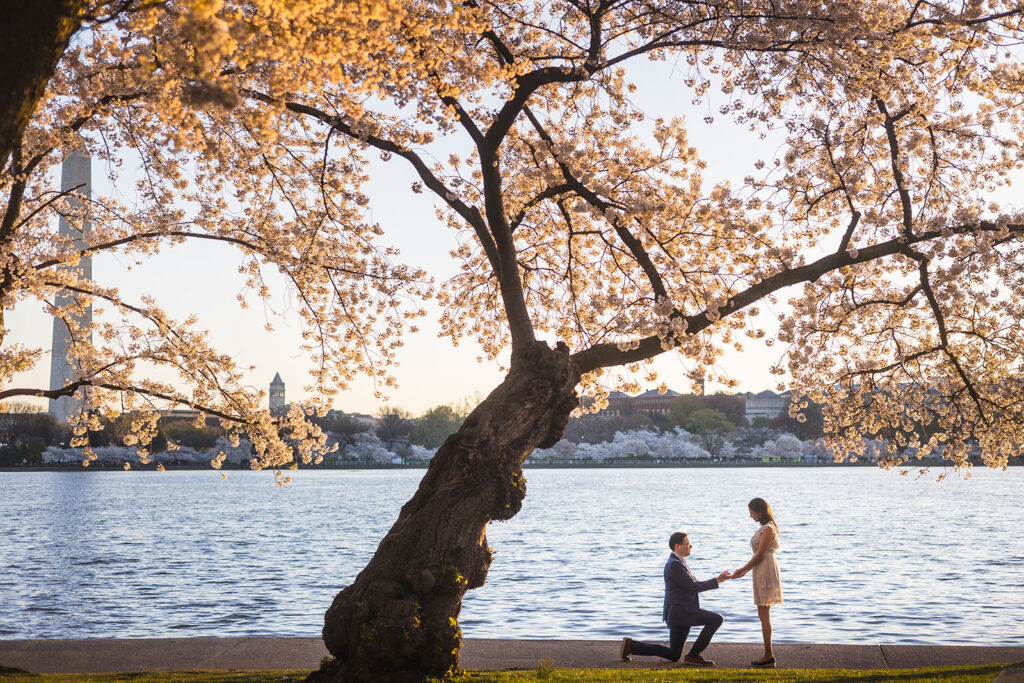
[(581, 566)]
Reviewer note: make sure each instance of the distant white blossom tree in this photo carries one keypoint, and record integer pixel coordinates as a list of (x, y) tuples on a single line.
[(367, 447)]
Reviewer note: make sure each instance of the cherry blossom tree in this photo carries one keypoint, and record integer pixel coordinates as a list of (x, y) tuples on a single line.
[(149, 84), (588, 239)]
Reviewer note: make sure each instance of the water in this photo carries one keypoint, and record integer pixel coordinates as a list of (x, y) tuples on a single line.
[(867, 557)]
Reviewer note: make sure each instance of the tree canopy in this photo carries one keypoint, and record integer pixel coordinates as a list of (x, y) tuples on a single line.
[(254, 122), (254, 127), (431, 428)]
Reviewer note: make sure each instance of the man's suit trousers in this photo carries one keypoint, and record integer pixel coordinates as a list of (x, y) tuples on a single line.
[(677, 638)]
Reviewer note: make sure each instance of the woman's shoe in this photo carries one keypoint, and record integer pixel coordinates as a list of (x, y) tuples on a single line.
[(764, 663)]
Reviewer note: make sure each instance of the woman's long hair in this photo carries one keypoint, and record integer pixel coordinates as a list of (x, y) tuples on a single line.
[(762, 510)]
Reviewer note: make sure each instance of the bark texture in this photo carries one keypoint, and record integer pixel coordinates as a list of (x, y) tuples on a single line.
[(398, 621), (33, 36)]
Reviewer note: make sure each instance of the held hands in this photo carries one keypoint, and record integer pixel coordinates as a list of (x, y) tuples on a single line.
[(725, 576), (739, 573)]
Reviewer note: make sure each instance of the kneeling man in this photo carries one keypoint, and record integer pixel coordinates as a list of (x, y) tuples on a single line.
[(682, 610)]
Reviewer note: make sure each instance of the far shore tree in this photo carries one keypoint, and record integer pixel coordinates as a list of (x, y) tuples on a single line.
[(683, 406), (343, 429), (746, 438), (591, 428), (808, 423), (709, 427), (589, 242), (733, 407), (25, 431), (394, 427), (432, 427)]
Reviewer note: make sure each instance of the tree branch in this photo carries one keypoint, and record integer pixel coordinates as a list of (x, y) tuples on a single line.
[(609, 354), (894, 151), (469, 214), (634, 245), (70, 389)]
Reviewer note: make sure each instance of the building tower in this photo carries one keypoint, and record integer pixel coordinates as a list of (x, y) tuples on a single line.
[(277, 404), (75, 178)]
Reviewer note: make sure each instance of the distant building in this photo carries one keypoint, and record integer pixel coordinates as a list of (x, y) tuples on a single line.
[(766, 404), (647, 402), (368, 421), (618, 404), (277, 401), (653, 402)]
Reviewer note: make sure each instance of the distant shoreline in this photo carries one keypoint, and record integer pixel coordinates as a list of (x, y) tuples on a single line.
[(529, 466)]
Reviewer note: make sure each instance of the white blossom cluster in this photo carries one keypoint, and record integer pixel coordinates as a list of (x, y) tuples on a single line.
[(678, 445), (223, 451)]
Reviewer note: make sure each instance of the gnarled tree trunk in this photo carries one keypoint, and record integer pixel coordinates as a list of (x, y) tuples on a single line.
[(33, 36), (398, 619)]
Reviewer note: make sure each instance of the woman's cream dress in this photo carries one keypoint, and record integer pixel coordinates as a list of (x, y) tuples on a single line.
[(767, 583)]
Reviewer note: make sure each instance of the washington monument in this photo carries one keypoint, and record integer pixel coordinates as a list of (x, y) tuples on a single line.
[(75, 178)]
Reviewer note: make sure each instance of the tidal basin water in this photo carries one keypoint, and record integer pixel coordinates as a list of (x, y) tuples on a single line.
[(867, 556)]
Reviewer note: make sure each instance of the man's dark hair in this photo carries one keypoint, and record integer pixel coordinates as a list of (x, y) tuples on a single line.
[(675, 539)]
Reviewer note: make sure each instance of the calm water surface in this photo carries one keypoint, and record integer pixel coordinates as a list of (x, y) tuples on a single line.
[(867, 557)]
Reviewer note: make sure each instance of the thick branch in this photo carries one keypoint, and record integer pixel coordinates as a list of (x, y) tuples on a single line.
[(894, 151), (245, 244), (607, 355), (14, 199), (635, 246), (854, 213), (526, 85), (509, 283), (469, 214), (549, 192), (940, 323), (71, 388)]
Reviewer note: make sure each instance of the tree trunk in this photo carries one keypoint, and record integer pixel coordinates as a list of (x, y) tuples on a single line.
[(34, 35), (398, 619)]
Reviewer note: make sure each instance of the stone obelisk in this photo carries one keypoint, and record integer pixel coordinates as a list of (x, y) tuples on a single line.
[(75, 178)]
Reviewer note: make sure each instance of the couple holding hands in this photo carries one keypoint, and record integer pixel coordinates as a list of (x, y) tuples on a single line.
[(682, 606)]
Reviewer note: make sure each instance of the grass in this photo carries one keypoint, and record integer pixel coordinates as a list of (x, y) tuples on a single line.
[(542, 674), (547, 673)]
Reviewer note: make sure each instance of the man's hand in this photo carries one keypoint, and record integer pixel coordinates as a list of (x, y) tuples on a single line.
[(724, 576)]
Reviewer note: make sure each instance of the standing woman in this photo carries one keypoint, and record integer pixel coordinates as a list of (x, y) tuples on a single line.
[(767, 584)]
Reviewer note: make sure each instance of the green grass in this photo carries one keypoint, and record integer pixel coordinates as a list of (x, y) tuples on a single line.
[(946, 674), (545, 673)]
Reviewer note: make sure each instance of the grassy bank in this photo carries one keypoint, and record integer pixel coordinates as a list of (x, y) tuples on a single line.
[(547, 674)]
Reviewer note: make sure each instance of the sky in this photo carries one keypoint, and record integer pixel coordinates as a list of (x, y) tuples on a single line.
[(203, 279)]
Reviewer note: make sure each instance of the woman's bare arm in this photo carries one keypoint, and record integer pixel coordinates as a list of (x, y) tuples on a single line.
[(762, 548)]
